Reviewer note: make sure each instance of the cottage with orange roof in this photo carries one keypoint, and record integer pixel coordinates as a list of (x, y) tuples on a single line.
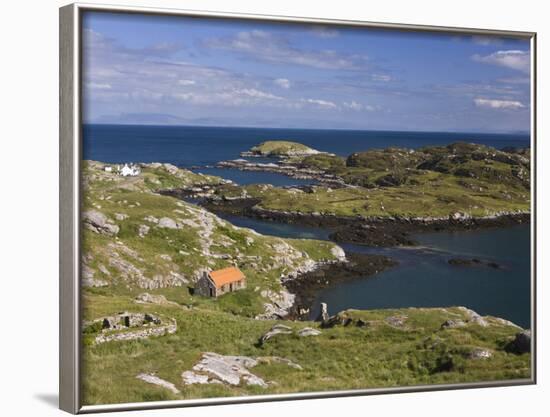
[(222, 281)]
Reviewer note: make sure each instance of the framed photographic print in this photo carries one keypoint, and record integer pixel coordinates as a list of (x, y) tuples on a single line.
[(262, 208)]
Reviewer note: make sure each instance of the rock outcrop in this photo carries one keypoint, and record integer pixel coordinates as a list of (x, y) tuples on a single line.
[(281, 329), (521, 343), (216, 369), (99, 223), (275, 330), (323, 314)]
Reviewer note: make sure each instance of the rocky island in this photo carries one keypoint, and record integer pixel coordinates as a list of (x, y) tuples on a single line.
[(378, 197)]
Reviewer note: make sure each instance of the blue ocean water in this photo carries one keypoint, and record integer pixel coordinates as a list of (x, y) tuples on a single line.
[(187, 146)]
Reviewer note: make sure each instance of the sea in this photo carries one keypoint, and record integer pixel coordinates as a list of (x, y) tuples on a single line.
[(423, 277)]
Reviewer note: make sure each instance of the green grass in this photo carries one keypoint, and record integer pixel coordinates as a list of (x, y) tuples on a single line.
[(425, 193), (378, 355), (341, 358)]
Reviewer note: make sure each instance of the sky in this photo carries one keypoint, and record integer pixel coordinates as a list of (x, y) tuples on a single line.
[(168, 70)]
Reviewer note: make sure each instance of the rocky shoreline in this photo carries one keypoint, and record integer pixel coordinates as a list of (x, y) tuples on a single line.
[(289, 170), (372, 231), (306, 286)]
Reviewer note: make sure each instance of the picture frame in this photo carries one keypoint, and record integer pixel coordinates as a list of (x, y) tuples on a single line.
[(71, 203)]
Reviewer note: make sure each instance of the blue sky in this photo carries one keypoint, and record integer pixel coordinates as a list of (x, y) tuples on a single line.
[(176, 70)]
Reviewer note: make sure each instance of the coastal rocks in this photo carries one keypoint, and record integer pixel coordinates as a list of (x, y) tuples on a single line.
[(283, 168), (278, 308), (472, 262), (155, 380), (99, 223), (307, 285), (215, 368), (521, 343), (460, 217), (323, 314), (381, 234), (474, 318), (340, 319), (338, 253)]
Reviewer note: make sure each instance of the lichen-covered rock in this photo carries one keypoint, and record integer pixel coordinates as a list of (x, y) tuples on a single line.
[(275, 330), (167, 223), (99, 223), (308, 331), (231, 370), (143, 230), (474, 318)]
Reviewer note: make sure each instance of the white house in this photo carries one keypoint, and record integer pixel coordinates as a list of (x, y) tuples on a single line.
[(108, 168), (129, 170)]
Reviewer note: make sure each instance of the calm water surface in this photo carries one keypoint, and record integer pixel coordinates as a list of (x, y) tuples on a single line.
[(424, 277)]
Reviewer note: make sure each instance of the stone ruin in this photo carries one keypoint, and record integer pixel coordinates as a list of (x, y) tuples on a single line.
[(131, 326)]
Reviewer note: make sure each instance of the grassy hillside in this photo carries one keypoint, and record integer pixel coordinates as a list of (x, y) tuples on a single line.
[(163, 242), (137, 241), (384, 353)]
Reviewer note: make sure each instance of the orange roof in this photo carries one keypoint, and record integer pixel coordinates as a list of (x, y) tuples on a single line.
[(226, 276)]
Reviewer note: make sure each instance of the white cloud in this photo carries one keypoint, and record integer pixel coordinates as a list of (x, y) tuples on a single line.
[(252, 92), (186, 82), (513, 59), (381, 77), (282, 82), (267, 47), (498, 104), (353, 105), (99, 86), (325, 104)]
